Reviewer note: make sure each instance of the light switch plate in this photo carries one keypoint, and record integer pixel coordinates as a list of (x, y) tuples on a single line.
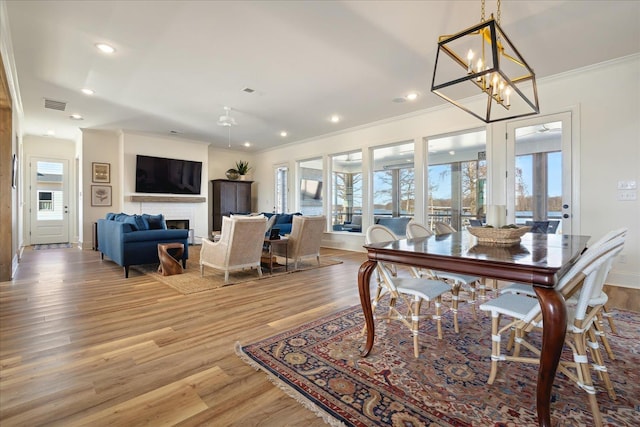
[(627, 185), (627, 195)]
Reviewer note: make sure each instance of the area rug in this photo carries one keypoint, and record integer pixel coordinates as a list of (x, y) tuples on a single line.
[(318, 363), (190, 281), (52, 246)]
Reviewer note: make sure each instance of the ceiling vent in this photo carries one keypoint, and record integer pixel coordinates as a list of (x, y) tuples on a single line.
[(55, 105), (248, 90)]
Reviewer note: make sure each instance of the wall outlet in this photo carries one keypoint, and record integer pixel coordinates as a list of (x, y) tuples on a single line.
[(627, 185), (627, 195)]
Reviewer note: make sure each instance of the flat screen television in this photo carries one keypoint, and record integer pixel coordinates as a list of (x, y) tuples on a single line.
[(172, 176)]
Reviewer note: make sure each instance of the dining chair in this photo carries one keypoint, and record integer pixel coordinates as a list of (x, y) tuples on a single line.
[(585, 279), (412, 291), (443, 228), (457, 281), (540, 227), (526, 289)]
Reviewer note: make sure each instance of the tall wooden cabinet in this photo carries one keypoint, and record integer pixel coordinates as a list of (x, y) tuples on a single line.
[(229, 197)]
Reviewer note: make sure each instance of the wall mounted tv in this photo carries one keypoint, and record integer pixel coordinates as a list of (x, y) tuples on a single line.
[(173, 176)]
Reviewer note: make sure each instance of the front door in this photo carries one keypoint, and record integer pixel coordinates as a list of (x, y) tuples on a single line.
[(49, 193), (540, 172)]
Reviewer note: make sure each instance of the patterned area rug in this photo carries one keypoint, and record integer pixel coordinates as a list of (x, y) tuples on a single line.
[(319, 364), (190, 281), (52, 246)]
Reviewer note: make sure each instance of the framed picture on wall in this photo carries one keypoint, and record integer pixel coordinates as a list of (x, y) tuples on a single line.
[(101, 172), (100, 195)]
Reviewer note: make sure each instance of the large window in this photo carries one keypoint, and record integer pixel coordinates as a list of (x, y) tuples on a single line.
[(457, 175), (346, 191), (393, 181), (311, 187)]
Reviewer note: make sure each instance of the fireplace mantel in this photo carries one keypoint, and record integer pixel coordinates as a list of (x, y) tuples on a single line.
[(169, 199)]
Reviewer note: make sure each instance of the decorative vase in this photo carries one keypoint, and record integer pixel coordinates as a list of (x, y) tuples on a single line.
[(243, 177), (232, 174)]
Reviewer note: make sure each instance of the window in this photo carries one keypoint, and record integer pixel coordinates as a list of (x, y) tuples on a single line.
[(50, 191), (311, 186), (457, 176), (393, 181), (280, 194), (45, 201), (346, 191)]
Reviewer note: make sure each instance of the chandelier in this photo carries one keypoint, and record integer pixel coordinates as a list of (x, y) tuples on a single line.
[(482, 59)]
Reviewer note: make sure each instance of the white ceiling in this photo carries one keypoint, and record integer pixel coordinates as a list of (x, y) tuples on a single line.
[(179, 62)]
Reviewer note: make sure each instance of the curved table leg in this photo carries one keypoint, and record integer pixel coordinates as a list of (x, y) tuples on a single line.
[(554, 318), (364, 275)]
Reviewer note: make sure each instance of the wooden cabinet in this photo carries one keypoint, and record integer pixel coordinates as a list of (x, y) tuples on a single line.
[(229, 197)]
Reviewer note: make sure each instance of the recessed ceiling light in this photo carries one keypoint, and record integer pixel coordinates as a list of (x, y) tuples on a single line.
[(283, 133), (335, 118), (412, 96), (51, 132), (452, 152), (87, 91), (105, 48), (247, 144), (76, 117)]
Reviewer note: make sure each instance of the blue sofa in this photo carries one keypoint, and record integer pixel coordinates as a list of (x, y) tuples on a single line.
[(283, 221), (133, 239)]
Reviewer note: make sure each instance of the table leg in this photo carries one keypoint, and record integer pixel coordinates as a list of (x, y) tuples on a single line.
[(364, 275), (554, 318)]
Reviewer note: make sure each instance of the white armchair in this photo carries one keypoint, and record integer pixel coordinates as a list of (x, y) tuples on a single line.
[(239, 247), (305, 238)]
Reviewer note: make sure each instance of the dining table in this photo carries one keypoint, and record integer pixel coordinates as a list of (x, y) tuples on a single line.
[(538, 259)]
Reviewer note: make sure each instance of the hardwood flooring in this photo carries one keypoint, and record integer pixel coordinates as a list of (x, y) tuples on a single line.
[(81, 345)]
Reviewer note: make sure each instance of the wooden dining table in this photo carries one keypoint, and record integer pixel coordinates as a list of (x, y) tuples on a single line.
[(539, 259)]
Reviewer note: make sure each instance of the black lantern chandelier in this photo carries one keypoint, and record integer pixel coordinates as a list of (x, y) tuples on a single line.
[(482, 59)]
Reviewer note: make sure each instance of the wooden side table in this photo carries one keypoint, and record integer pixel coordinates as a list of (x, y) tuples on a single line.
[(170, 262), (275, 242)]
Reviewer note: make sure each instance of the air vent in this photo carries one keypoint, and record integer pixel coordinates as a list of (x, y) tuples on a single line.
[(55, 105), (248, 90)]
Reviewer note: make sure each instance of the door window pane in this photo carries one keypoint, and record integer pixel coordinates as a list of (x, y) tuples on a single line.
[(50, 192), (280, 198), (538, 173)]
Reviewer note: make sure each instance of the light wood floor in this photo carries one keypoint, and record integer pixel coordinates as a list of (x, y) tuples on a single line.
[(81, 345)]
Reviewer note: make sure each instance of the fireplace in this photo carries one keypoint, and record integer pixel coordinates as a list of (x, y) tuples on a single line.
[(181, 224)]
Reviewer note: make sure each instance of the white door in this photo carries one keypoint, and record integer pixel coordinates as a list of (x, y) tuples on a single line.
[(49, 194), (539, 172)]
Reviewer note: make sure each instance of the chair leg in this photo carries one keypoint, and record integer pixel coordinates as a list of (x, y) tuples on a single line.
[(609, 317), (598, 362), (455, 298), (495, 347), (259, 271), (201, 270), (438, 316), (584, 376), (226, 276), (598, 324), (415, 325), (318, 258)]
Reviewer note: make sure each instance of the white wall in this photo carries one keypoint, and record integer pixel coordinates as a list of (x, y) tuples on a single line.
[(607, 137)]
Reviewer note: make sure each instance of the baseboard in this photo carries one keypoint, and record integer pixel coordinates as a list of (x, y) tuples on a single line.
[(623, 298)]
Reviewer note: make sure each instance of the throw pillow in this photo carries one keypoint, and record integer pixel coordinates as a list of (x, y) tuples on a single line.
[(156, 222), (110, 215), (284, 219), (131, 220)]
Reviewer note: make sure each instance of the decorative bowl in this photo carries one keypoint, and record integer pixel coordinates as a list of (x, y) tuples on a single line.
[(232, 174), (498, 236)]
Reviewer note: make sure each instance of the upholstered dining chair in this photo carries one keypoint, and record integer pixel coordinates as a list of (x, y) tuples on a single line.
[(525, 289), (443, 228), (305, 238), (584, 280), (466, 282), (412, 291), (239, 247)]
